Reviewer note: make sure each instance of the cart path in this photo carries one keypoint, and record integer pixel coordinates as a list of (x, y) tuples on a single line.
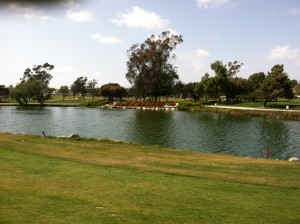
[(252, 108)]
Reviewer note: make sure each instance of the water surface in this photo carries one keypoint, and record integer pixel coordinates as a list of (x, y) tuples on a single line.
[(206, 132)]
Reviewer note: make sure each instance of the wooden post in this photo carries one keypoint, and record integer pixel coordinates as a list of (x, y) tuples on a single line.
[(267, 152)]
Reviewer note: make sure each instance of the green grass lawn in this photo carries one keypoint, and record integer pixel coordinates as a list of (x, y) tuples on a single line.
[(52, 180)]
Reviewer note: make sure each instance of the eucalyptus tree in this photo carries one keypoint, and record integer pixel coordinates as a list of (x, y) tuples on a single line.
[(91, 87), (34, 85), (79, 86), (39, 72), (150, 69)]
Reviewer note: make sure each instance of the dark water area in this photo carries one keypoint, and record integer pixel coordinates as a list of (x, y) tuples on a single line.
[(198, 131)]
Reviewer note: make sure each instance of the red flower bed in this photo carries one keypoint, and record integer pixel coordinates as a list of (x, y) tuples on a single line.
[(171, 105), (140, 104)]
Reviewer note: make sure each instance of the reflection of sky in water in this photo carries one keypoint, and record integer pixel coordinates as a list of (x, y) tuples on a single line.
[(219, 133)]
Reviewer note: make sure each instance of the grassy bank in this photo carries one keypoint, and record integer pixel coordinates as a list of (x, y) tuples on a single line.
[(53, 180), (284, 115)]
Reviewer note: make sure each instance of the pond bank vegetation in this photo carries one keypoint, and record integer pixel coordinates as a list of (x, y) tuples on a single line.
[(293, 113)]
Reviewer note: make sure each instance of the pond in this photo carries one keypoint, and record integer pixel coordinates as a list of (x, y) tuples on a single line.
[(198, 131)]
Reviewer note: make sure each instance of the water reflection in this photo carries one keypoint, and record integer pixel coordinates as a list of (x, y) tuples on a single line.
[(209, 132)]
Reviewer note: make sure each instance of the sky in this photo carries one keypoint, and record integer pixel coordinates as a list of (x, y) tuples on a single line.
[(90, 38)]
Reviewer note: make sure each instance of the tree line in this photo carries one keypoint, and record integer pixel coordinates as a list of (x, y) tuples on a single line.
[(151, 73)]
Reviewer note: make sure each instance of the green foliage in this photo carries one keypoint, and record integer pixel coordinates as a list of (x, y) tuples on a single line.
[(79, 86), (113, 90), (149, 68), (31, 89), (97, 103), (224, 75), (34, 85), (276, 84), (39, 72), (192, 90), (64, 91), (189, 105), (91, 88), (4, 92)]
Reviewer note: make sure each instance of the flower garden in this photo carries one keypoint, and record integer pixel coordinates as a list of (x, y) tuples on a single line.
[(143, 105)]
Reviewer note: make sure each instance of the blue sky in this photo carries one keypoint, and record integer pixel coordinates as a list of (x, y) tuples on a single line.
[(90, 38)]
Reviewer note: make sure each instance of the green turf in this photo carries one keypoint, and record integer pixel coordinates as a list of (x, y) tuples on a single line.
[(50, 180)]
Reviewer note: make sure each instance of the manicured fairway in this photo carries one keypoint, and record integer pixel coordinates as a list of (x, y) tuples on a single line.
[(52, 180)]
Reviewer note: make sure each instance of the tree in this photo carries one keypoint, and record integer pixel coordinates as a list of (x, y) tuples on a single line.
[(34, 85), (31, 89), (254, 82), (4, 92), (112, 90), (64, 91), (297, 88), (22, 93), (191, 90), (276, 84), (223, 76), (209, 86), (91, 88), (79, 86), (239, 88), (149, 68), (178, 89), (39, 72)]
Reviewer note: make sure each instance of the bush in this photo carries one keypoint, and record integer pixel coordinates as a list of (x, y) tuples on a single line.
[(97, 103), (189, 105)]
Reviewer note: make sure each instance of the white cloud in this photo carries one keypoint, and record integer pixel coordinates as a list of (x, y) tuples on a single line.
[(294, 11), (284, 52), (29, 12), (141, 18), (206, 4), (201, 53), (198, 59), (79, 16), (106, 39)]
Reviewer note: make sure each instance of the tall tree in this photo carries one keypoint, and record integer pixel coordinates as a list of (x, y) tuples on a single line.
[(178, 89), (276, 84), (223, 76), (254, 82), (210, 87), (39, 72), (31, 89), (91, 88), (34, 85), (191, 90), (150, 67), (79, 86)]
